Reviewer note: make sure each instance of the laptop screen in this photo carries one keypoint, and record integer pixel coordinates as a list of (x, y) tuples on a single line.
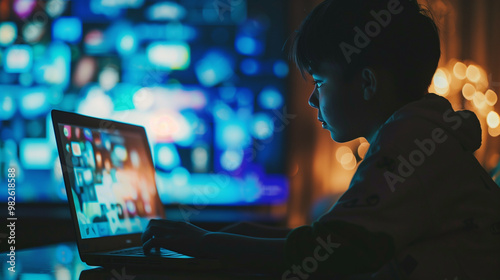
[(112, 180)]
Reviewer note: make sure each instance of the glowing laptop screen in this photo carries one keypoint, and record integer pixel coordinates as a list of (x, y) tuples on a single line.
[(112, 180)]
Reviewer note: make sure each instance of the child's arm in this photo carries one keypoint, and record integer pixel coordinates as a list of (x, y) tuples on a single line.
[(256, 230), (244, 252), (253, 254)]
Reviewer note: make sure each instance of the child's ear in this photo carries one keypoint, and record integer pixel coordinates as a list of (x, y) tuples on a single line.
[(369, 83)]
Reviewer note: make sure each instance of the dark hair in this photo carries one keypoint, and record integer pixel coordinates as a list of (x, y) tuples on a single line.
[(406, 43)]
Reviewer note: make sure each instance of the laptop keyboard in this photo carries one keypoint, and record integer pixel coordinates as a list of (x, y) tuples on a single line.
[(138, 251)]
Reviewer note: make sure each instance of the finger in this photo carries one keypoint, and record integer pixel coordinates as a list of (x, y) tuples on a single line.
[(155, 243), (153, 230), (160, 228)]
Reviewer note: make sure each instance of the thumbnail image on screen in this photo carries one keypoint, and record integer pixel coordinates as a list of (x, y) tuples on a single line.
[(112, 181)]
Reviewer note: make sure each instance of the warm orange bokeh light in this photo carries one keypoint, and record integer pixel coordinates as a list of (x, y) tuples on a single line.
[(493, 119), (460, 70), (441, 82), (341, 151), (473, 73), (468, 91), (491, 97), (362, 149), (494, 132), (348, 161), (479, 100)]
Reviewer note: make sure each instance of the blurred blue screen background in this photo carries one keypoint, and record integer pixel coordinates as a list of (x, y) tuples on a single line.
[(206, 78)]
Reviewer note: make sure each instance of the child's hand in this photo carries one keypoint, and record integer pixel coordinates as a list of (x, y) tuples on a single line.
[(177, 236), (256, 230)]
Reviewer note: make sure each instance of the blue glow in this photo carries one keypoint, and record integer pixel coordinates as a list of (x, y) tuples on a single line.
[(250, 66), (280, 69), (228, 93), (180, 176), (176, 31), (36, 153), (222, 111), (202, 65), (248, 45), (245, 97), (113, 8), (200, 157), (54, 67), (188, 137), (231, 160), (126, 43), (35, 276), (270, 98), (34, 129), (64, 254), (34, 102), (214, 68), (68, 29), (8, 33), (220, 189), (232, 134), (18, 59), (26, 79), (262, 126), (166, 157), (7, 105), (169, 56), (173, 31), (166, 11), (49, 134)]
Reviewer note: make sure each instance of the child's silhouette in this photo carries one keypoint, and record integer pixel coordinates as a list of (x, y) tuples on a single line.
[(420, 206)]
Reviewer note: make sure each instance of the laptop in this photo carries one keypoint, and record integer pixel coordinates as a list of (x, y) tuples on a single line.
[(110, 183)]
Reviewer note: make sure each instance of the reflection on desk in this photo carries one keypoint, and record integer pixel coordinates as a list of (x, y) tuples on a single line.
[(59, 261), (62, 262)]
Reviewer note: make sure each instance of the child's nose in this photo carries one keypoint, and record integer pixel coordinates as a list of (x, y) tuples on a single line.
[(313, 99)]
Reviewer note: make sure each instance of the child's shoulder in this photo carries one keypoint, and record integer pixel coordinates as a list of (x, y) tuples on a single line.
[(429, 119)]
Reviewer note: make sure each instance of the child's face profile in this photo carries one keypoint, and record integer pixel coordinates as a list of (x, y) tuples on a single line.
[(341, 107)]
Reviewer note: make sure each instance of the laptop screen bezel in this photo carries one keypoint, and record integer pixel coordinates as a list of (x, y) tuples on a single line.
[(99, 244)]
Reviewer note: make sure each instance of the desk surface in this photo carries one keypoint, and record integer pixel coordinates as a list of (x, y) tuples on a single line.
[(61, 261)]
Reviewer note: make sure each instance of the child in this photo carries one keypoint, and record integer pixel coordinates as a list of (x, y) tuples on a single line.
[(420, 206)]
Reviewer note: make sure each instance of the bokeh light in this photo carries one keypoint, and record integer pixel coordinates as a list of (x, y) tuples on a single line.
[(441, 82), (493, 119), (468, 91), (158, 64), (8, 33), (348, 161), (341, 151), (479, 100), (491, 97), (363, 149), (460, 70), (473, 73)]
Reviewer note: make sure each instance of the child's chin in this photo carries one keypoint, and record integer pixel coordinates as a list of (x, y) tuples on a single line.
[(339, 138)]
